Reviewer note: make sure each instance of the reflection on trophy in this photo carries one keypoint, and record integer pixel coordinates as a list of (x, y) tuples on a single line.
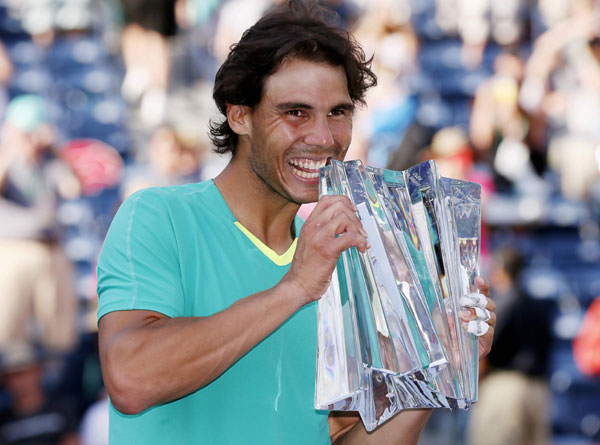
[(389, 336)]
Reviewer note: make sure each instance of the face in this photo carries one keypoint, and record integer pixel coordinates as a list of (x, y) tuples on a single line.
[(303, 120)]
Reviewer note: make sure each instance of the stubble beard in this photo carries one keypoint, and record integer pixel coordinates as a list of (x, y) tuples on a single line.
[(266, 178)]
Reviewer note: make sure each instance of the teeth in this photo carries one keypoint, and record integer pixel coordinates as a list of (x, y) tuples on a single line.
[(308, 164), (309, 175), (310, 168), (306, 175)]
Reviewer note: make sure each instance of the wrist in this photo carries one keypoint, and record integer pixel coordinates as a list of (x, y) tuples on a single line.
[(294, 292)]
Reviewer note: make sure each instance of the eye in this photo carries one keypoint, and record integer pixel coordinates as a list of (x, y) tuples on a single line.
[(295, 113), (339, 112)]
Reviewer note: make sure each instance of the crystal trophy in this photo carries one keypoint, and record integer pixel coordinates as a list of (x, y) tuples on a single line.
[(389, 337)]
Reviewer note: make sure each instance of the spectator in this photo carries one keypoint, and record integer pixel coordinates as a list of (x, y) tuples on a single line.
[(33, 417), (43, 19), (235, 16), (513, 391), (173, 158), (477, 21), (503, 133), (451, 152), (148, 26), (562, 82), (36, 292), (587, 343), (387, 34)]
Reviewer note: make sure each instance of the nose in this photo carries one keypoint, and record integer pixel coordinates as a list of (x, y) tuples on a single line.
[(319, 133)]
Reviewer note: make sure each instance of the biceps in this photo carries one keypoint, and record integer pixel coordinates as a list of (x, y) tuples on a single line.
[(117, 324)]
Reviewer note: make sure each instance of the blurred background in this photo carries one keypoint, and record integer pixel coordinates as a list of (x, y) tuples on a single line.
[(99, 98)]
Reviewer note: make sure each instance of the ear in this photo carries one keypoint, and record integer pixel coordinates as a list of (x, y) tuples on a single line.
[(238, 117)]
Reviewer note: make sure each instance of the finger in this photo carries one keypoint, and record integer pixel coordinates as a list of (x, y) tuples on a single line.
[(347, 240), (339, 233), (474, 299), (483, 285), (491, 305), (482, 314), (343, 223), (330, 200), (492, 320), (477, 327), (466, 315), (478, 314), (485, 343), (328, 214)]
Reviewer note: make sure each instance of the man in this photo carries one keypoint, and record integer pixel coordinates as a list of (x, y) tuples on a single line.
[(36, 276), (207, 324), (32, 414)]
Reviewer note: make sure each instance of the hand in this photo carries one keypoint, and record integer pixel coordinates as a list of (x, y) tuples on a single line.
[(331, 228), (479, 318)]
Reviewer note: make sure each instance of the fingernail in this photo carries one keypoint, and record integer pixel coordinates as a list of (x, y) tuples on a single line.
[(368, 246), (363, 232), (464, 315), (479, 281)]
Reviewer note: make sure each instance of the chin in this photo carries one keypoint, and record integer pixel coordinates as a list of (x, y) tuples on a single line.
[(303, 193), (305, 198), (308, 196)]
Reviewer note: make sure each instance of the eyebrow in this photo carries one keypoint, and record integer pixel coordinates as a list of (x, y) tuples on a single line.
[(345, 106), (299, 105)]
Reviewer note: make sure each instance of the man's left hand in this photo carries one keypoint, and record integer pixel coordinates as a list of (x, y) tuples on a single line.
[(479, 317)]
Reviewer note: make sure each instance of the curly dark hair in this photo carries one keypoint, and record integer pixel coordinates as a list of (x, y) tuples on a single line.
[(301, 31)]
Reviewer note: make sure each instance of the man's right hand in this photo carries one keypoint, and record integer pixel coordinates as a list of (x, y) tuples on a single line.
[(332, 228)]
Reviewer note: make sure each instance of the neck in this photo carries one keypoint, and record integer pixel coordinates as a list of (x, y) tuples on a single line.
[(265, 213)]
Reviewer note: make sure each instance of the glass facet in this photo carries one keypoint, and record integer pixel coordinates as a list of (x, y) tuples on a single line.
[(389, 337)]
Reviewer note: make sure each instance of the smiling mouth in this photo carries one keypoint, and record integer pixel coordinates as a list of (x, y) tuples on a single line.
[(307, 168)]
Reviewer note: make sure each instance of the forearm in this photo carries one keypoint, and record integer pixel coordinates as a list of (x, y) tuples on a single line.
[(161, 359), (149, 359), (403, 429)]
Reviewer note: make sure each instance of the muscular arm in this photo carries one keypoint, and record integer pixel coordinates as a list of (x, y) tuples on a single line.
[(148, 358)]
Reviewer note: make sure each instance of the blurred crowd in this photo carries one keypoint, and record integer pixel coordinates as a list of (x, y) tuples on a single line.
[(99, 98)]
